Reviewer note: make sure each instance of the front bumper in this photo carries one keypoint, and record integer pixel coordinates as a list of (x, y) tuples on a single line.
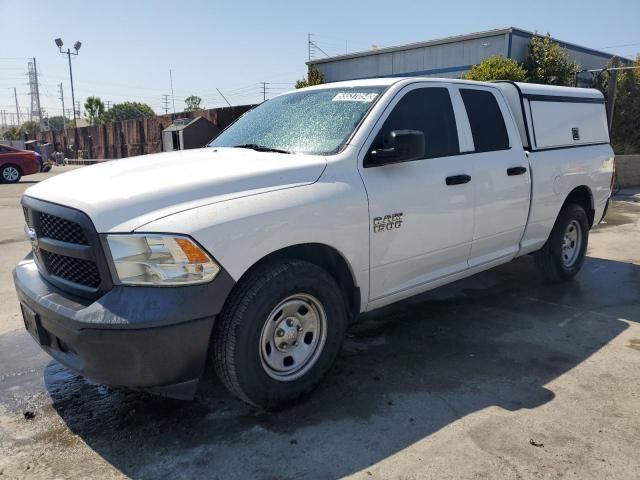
[(155, 338)]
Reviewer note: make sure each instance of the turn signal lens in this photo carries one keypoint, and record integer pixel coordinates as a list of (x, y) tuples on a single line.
[(154, 259)]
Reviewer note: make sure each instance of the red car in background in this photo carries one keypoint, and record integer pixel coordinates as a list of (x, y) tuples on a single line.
[(15, 163)]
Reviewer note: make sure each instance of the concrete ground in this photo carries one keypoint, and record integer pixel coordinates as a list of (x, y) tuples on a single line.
[(496, 376)]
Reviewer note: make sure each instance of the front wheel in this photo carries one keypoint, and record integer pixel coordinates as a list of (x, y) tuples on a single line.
[(563, 254), (10, 174), (279, 333)]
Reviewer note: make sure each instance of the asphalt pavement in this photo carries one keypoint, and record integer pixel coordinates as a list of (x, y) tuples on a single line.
[(497, 376)]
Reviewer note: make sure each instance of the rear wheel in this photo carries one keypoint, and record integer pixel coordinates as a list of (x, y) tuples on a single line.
[(279, 333), (10, 173), (563, 254)]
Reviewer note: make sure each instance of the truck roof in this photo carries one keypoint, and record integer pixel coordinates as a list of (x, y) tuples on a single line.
[(525, 88)]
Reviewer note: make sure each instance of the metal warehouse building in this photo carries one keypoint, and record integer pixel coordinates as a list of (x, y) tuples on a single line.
[(446, 57)]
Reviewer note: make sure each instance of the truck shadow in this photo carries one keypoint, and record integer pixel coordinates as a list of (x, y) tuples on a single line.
[(405, 372)]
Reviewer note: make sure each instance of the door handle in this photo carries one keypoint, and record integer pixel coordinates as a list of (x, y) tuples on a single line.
[(516, 171), (458, 179)]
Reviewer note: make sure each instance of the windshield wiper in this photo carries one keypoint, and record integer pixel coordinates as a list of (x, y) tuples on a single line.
[(261, 148)]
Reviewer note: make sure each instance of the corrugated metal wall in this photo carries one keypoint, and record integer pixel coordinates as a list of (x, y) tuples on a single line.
[(445, 60), (449, 60)]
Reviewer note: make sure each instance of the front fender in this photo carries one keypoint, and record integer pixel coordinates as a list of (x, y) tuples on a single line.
[(241, 232)]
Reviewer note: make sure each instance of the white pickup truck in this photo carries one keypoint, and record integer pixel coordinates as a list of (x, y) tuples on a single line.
[(255, 252)]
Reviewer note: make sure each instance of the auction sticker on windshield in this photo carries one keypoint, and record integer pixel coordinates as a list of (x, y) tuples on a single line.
[(354, 97)]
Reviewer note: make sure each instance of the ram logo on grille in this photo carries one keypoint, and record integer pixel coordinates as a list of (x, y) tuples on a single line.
[(31, 235)]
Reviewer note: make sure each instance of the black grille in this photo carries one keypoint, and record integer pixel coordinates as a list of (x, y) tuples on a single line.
[(74, 262), (61, 229), (84, 272)]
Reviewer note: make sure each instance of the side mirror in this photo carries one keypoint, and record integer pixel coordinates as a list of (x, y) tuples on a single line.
[(406, 145)]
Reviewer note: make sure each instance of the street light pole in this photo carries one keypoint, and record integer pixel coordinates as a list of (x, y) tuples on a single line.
[(68, 53), (73, 96)]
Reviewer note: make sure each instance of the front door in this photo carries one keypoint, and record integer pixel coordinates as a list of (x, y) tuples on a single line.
[(421, 211)]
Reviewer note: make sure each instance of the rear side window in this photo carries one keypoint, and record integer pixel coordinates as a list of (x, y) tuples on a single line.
[(430, 111), (487, 124)]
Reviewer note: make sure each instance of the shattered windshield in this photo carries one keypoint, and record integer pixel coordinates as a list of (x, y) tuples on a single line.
[(316, 122)]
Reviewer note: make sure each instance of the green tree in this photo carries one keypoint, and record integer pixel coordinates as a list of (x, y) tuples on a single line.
[(58, 123), (496, 67), (193, 103), (625, 136), (29, 128), (549, 63), (127, 111), (13, 133), (314, 77), (94, 109)]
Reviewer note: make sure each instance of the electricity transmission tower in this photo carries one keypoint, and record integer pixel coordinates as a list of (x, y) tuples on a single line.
[(165, 102), (36, 113)]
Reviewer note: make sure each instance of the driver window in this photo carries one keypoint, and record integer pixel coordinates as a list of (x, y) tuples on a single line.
[(430, 111)]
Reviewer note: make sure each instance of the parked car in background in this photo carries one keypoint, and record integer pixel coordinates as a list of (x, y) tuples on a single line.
[(15, 163), (312, 208)]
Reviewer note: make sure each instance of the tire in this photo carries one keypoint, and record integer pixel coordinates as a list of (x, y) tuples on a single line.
[(10, 173), (268, 318), (562, 257)]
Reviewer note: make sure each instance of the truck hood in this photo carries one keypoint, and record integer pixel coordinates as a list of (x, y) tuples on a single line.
[(122, 195)]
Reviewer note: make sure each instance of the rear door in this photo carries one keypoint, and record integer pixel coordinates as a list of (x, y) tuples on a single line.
[(501, 177), (421, 227)]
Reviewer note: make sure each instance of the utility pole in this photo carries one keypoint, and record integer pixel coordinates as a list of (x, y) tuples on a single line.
[(165, 101), (15, 94), (35, 73), (611, 94), (312, 46), (61, 98), (173, 98), (107, 104), (264, 91), (3, 113)]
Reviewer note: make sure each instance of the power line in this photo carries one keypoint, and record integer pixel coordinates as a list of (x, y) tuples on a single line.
[(225, 98)]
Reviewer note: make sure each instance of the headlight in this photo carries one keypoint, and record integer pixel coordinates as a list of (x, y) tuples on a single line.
[(156, 259)]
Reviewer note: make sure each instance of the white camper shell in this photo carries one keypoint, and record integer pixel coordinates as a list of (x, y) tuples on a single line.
[(556, 117)]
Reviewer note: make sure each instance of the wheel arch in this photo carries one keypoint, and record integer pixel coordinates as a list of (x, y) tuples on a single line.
[(327, 258), (582, 196)]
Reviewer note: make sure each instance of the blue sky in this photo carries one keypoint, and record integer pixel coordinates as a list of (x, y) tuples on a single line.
[(129, 46)]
